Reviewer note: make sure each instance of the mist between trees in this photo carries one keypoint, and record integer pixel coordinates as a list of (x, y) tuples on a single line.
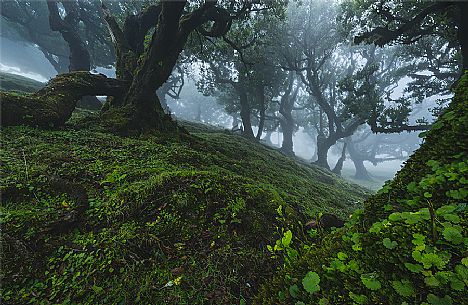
[(335, 83)]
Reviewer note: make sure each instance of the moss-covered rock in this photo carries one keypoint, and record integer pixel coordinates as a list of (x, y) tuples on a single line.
[(408, 245), (90, 217)]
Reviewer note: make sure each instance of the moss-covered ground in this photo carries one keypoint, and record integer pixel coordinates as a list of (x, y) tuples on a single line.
[(90, 217)]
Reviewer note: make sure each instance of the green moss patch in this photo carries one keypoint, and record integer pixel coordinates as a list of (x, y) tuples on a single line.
[(91, 217)]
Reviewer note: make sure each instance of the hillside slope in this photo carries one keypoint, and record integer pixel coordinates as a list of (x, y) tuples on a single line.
[(408, 246), (18, 83), (91, 217)]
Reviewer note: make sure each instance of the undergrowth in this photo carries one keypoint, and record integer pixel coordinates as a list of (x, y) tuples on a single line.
[(409, 243)]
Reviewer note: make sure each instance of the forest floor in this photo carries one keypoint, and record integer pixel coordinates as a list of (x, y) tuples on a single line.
[(93, 217)]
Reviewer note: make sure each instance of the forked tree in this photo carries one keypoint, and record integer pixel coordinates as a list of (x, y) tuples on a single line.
[(141, 67)]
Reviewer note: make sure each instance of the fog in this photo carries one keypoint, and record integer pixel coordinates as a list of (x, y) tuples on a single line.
[(25, 59), (200, 98)]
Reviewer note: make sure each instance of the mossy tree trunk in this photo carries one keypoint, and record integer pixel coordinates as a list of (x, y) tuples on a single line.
[(54, 104), (323, 146)]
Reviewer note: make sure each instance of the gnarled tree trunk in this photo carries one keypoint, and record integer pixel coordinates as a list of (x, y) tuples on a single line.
[(54, 104), (261, 101), (361, 171), (339, 164), (323, 146)]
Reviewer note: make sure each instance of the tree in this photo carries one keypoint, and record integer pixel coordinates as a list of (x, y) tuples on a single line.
[(282, 111), (429, 56), (146, 69), (69, 27), (408, 21), (240, 68), (378, 148), (313, 55), (54, 104)]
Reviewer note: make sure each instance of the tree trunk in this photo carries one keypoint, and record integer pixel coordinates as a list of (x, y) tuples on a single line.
[(287, 126), (54, 104), (339, 164), (267, 138), (361, 171), (199, 113), (323, 146), (142, 108), (261, 97), (162, 93), (245, 115), (235, 120)]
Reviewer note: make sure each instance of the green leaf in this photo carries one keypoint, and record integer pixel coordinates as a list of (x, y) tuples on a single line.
[(415, 268), (453, 235), (286, 240), (358, 298), (323, 301), (454, 218), (394, 217), (456, 284), (97, 289), (281, 295), (418, 239), (369, 280), (445, 209), (376, 227), (465, 261), (431, 281), (403, 287), (311, 282), (417, 255), (411, 187), (462, 271), (432, 259), (435, 300), (293, 291), (342, 256), (389, 244)]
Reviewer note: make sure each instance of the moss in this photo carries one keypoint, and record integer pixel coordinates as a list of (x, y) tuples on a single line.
[(53, 105), (409, 244), (176, 220)]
